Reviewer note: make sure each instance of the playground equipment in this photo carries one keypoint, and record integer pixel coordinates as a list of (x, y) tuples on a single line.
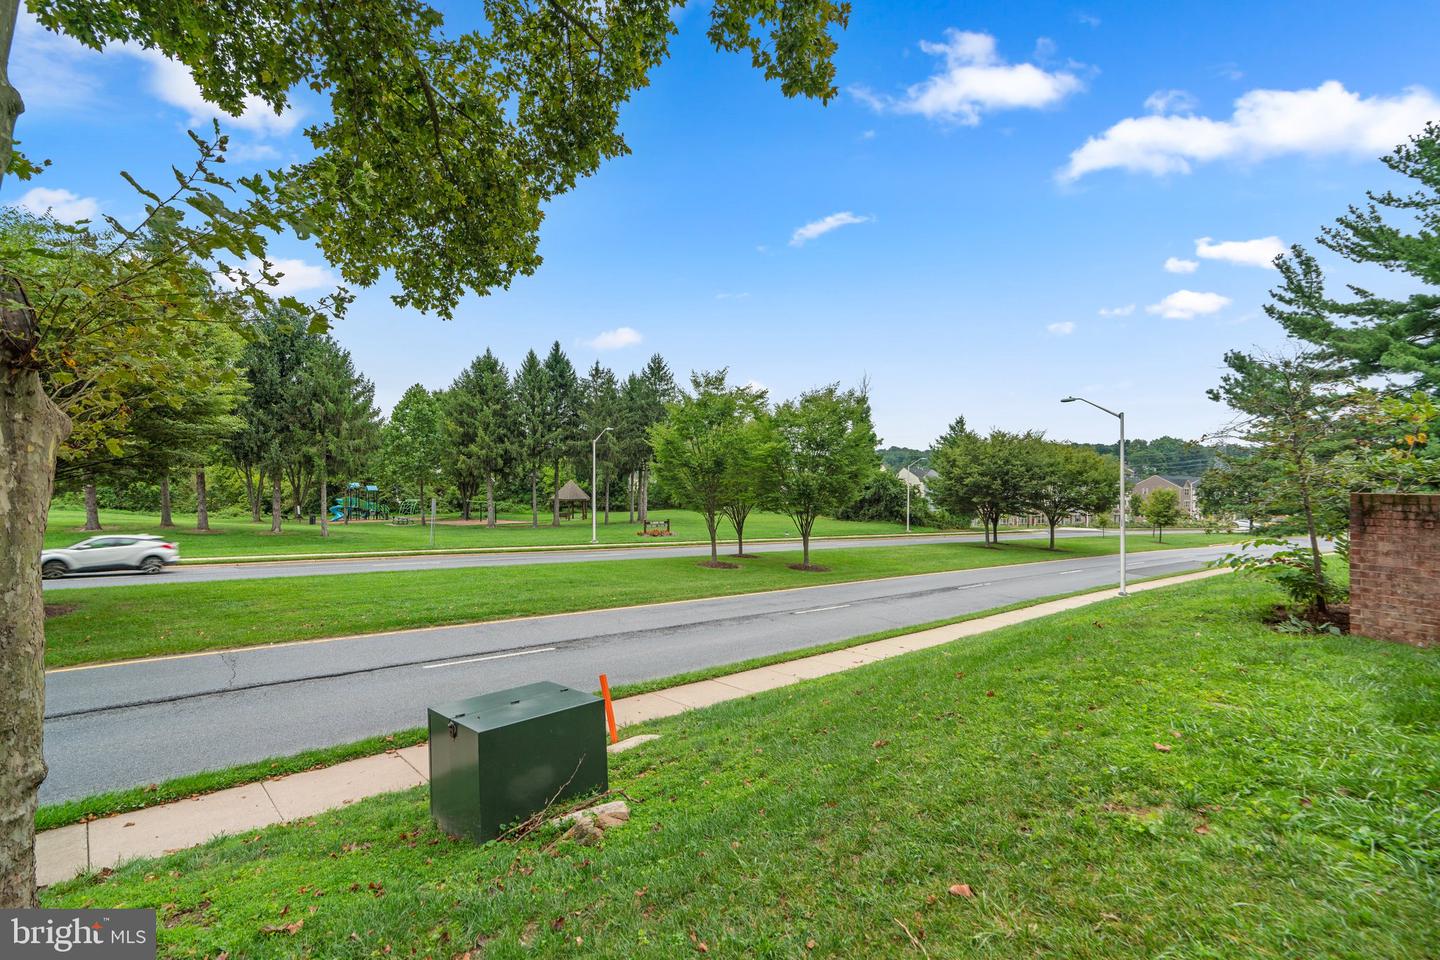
[(355, 505)]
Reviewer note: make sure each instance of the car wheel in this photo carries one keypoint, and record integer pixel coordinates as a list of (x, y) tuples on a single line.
[(152, 565), (53, 570)]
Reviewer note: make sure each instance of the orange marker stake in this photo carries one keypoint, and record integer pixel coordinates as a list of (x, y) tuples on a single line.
[(609, 708)]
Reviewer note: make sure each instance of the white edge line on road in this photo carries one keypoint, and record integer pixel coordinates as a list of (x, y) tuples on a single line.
[(570, 613), (493, 656), (838, 606)]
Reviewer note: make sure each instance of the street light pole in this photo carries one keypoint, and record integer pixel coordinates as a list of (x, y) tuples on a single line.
[(907, 494), (594, 532), (1121, 417)]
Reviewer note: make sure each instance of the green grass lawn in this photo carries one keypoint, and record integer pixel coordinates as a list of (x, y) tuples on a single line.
[(232, 537), (115, 623), (1292, 815)]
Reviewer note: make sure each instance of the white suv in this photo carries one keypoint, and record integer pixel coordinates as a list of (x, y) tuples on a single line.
[(139, 551)]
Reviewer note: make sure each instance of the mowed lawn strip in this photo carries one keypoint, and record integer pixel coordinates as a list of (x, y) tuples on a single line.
[(118, 623), (137, 798), (1285, 816), (230, 537)]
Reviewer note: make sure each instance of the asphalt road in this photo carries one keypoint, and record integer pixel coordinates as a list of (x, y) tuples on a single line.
[(129, 724), (208, 572)]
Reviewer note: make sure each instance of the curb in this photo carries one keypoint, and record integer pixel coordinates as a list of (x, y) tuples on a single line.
[(66, 852)]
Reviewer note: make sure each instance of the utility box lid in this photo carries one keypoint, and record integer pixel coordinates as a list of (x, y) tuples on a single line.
[(490, 711)]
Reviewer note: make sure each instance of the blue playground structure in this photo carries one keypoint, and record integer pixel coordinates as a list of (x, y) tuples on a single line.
[(354, 505)]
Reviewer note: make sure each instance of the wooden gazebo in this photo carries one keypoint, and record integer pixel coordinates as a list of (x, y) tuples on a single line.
[(570, 497)]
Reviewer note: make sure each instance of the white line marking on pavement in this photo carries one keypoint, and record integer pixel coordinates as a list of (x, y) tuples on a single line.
[(972, 586), (1062, 572), (493, 656), (838, 606)]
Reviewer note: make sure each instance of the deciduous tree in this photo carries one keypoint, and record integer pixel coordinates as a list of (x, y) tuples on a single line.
[(435, 157), (412, 441), (1070, 480), (704, 448), (824, 450)]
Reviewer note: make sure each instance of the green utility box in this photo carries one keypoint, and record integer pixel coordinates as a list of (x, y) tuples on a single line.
[(498, 758)]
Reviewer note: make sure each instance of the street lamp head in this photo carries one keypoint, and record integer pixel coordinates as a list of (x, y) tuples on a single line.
[(1068, 399)]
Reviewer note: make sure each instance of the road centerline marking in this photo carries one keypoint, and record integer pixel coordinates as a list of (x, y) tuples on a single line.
[(493, 656), (838, 606)]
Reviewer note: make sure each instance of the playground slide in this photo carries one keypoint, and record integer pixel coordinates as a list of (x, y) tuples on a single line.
[(337, 513)]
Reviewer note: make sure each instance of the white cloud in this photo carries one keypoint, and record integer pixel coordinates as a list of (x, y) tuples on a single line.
[(868, 135), (1124, 311), (55, 72), (1170, 101), (49, 68), (818, 228), (1187, 304), (60, 204), (1266, 123), (170, 80), (295, 276), (616, 339), (1176, 265), (732, 296), (1062, 329), (975, 80), (1250, 253)]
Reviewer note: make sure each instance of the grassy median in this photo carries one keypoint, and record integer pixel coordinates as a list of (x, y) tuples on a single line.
[(1163, 776), (116, 623), (233, 537)]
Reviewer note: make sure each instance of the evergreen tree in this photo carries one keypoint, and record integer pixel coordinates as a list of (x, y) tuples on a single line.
[(479, 431), (561, 423), (1372, 334), (600, 408), (531, 410), (338, 424)]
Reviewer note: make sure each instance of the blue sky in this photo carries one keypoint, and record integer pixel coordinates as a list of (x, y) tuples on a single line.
[(979, 223)]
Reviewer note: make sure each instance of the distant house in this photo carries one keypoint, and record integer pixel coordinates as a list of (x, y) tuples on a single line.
[(1184, 487), (917, 478)]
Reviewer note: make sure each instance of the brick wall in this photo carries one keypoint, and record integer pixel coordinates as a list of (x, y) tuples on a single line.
[(1395, 567)]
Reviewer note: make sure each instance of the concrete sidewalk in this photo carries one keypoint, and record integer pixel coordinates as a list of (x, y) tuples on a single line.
[(67, 851)]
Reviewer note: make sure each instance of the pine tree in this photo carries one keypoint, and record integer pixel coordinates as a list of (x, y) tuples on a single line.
[(479, 431), (1372, 334), (531, 394), (562, 408)]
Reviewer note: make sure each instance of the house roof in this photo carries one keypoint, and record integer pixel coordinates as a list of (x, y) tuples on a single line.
[(1177, 479), (922, 473), (572, 491)]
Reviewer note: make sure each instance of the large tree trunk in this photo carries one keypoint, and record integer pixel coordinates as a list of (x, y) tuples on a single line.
[(92, 508), (202, 508), (31, 429), (490, 500), (644, 492), (1052, 533), (275, 508), (166, 520)]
